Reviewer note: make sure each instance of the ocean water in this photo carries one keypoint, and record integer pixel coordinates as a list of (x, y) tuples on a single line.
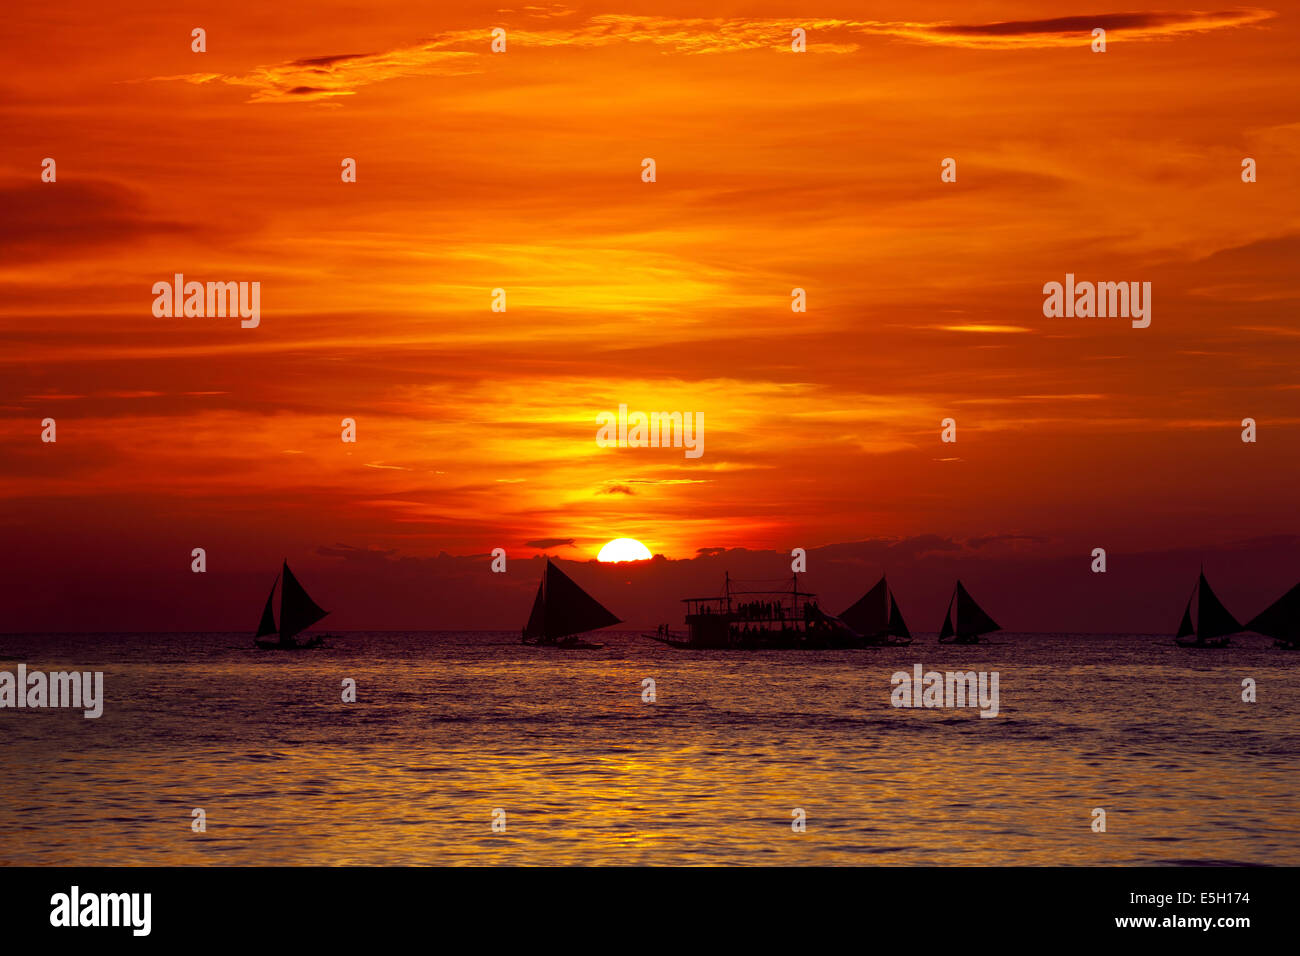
[(448, 727)]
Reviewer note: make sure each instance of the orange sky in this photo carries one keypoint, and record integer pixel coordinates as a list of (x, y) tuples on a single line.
[(522, 171)]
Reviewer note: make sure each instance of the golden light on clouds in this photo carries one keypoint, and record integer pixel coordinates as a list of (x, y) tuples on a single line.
[(521, 170)]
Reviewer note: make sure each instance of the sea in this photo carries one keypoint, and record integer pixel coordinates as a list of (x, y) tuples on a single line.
[(473, 749)]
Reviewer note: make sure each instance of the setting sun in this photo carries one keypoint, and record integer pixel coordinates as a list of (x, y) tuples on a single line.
[(624, 549)]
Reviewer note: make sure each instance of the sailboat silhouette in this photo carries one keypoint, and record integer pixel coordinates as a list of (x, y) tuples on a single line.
[(876, 617), (966, 620), (1213, 622), (1280, 621), (297, 613), (562, 610)]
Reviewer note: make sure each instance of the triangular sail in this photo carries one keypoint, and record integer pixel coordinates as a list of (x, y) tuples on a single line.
[(297, 610), (870, 615), (1281, 619), (536, 626), (267, 624), (1212, 618), (897, 627), (971, 618), (1185, 629), (565, 608), (947, 631)]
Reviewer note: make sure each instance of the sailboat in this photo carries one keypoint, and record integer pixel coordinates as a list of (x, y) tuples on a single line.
[(969, 621), (1213, 622), (1280, 621), (876, 618), (297, 613), (563, 610)]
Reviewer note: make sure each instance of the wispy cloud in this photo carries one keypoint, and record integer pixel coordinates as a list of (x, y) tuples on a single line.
[(979, 327), (459, 52), (41, 222), (1066, 31), (547, 543), (314, 79)]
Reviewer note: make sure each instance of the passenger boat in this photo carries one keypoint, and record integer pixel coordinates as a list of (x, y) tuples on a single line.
[(755, 618)]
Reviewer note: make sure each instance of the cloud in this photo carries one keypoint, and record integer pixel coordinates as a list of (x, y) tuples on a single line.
[(548, 543), (891, 551), (326, 77), (668, 481), (984, 327), (547, 12), (1069, 31), (352, 553), (54, 219), (1011, 539), (331, 60), (461, 52)]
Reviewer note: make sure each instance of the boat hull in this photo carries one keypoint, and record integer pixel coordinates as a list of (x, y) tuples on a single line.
[(773, 643), (566, 645), (670, 641), (309, 645)]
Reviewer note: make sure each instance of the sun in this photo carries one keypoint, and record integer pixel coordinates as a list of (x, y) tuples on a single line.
[(624, 549)]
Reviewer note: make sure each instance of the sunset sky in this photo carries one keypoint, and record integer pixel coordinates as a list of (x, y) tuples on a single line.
[(522, 171)]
